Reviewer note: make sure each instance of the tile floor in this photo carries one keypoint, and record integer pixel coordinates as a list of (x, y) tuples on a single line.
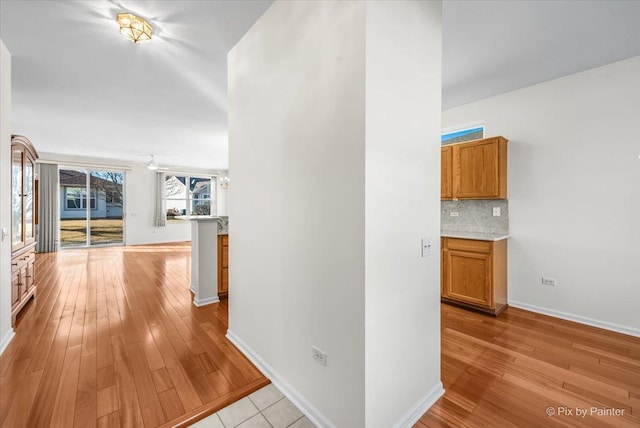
[(265, 408)]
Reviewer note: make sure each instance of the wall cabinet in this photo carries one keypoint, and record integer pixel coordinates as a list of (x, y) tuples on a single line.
[(446, 172), (475, 170), (474, 274), (223, 265), (23, 222)]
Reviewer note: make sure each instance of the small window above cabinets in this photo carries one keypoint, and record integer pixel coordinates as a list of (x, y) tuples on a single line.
[(474, 170)]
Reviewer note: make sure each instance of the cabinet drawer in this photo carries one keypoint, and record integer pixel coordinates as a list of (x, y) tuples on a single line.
[(468, 245)]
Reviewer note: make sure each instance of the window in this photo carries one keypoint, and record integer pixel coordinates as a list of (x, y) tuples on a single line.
[(475, 133), (76, 198), (185, 195)]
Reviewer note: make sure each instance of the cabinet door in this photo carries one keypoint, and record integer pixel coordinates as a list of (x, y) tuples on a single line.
[(224, 283), (15, 288), (223, 264), (446, 172), (476, 170), (17, 230), (468, 277), (29, 200), (23, 281), (29, 278)]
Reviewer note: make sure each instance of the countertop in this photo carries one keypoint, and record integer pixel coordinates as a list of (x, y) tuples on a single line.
[(197, 217), (478, 236)]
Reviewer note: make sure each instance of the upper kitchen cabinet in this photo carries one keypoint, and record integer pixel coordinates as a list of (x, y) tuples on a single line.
[(478, 169), (446, 172)]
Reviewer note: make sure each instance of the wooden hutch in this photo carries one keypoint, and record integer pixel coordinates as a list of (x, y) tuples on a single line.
[(24, 213)]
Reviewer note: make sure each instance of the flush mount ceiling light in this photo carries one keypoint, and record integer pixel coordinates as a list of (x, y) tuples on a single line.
[(134, 28)]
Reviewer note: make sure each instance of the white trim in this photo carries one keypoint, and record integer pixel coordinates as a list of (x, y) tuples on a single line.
[(309, 410), (192, 288), (631, 331), (202, 302), (412, 415), (6, 340)]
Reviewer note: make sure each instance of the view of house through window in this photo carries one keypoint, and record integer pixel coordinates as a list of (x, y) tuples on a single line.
[(186, 195), (96, 219)]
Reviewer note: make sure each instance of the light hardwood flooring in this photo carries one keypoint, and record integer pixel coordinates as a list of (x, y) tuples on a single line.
[(113, 340), (522, 369)]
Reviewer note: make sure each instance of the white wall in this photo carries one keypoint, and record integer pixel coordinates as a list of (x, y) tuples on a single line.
[(403, 102), (6, 331), (574, 192), (140, 184), (221, 200), (317, 105), (296, 116)]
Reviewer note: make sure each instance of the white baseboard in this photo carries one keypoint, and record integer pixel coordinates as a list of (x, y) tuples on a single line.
[(6, 340), (420, 408), (309, 410), (207, 301), (193, 289), (577, 318)]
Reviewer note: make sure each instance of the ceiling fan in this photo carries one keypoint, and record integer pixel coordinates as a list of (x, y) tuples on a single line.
[(153, 165)]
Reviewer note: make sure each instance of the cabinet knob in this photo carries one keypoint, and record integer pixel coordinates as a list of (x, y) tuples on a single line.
[(14, 264)]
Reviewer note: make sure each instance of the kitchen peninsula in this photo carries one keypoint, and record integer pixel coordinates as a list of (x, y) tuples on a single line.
[(207, 232)]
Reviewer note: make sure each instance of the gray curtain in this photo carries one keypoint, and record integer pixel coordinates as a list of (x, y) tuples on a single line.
[(48, 208), (161, 215)]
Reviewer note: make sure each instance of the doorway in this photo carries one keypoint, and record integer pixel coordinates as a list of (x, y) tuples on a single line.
[(91, 207)]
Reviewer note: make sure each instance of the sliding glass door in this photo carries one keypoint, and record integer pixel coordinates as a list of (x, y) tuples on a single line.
[(91, 207)]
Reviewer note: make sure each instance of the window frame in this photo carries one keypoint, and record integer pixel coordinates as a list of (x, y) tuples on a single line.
[(188, 200)]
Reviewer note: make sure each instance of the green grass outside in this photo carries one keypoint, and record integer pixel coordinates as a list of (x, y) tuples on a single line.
[(103, 231)]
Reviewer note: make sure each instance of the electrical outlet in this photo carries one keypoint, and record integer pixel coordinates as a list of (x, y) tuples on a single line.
[(319, 356), (496, 211), (548, 281), (454, 213)]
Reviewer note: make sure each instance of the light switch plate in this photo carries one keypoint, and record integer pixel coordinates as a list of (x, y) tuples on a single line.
[(426, 247), (5, 233)]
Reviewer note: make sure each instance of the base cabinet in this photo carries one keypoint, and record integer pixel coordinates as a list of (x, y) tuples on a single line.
[(474, 274), (22, 279), (223, 265)]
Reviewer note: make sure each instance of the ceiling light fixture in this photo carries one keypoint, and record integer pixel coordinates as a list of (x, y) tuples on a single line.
[(134, 28), (224, 182)]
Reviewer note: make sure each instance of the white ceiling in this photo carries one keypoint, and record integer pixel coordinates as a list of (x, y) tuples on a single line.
[(79, 88)]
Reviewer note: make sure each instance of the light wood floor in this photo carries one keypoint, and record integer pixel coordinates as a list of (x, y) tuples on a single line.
[(112, 340), (507, 371)]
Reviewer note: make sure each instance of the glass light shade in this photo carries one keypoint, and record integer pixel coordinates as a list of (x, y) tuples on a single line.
[(134, 28)]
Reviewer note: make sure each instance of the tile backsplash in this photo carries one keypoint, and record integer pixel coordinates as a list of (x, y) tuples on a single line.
[(475, 216)]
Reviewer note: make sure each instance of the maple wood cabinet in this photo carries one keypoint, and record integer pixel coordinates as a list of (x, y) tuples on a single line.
[(474, 274), (223, 265), (23, 222), (475, 169), (446, 172)]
